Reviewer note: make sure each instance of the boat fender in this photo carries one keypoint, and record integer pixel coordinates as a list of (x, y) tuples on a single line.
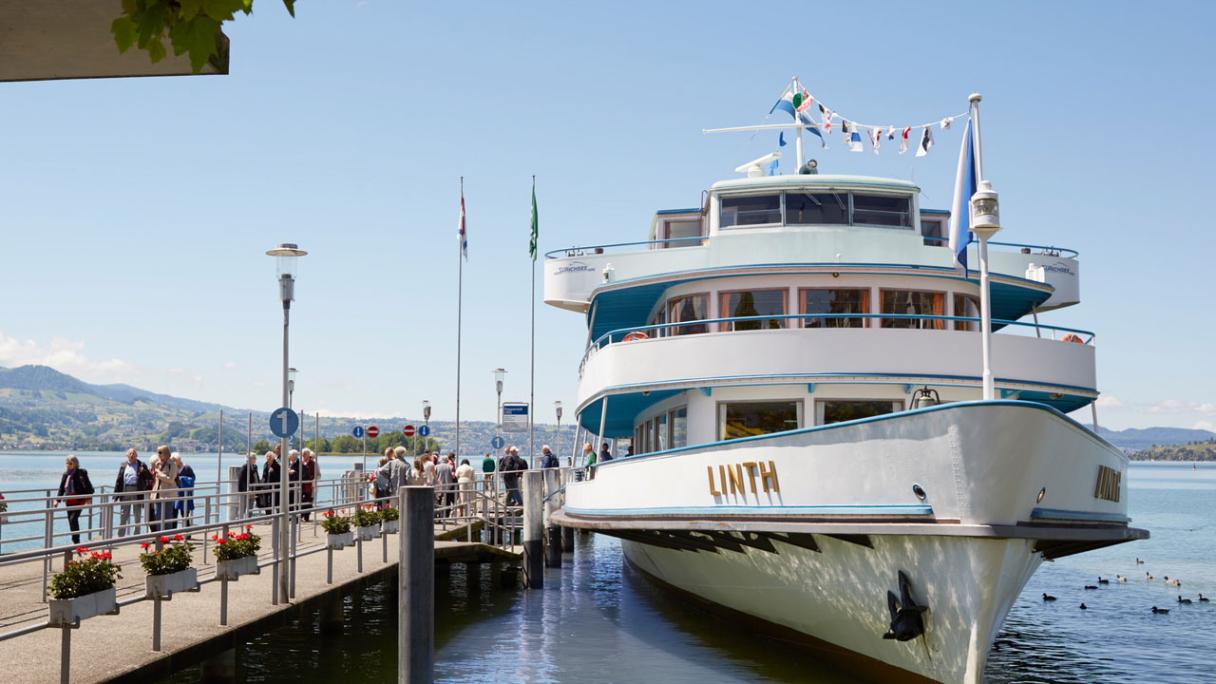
[(636, 335), (1070, 337), (907, 616)]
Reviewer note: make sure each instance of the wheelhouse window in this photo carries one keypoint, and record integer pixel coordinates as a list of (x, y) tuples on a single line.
[(750, 418), (836, 301), (681, 228), (882, 210), (966, 305), (753, 303), (750, 210), (933, 228), (805, 208), (913, 302), (687, 308), (839, 410)]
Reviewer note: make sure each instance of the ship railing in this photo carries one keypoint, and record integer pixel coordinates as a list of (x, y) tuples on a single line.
[(570, 252), (847, 320), (1024, 248)]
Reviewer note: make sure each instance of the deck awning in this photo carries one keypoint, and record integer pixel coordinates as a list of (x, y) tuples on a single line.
[(62, 39)]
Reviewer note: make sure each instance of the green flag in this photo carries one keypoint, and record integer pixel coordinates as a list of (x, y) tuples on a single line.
[(535, 224)]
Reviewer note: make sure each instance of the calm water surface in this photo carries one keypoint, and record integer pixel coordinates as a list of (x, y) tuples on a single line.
[(597, 620)]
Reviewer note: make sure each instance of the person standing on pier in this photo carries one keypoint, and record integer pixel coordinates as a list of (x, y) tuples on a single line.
[(164, 486), (548, 458), (293, 479), (399, 469), (445, 490), (247, 484), (133, 480), (74, 490), (428, 470), (512, 466), (271, 472), (183, 507), (465, 476), (309, 472)]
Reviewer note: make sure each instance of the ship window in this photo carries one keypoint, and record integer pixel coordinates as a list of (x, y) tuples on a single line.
[(748, 418), (753, 303), (803, 209), (934, 230), (660, 432), (842, 301), (750, 210), (679, 427), (688, 308), (837, 411), (912, 302), (882, 210), (683, 228), (966, 305)]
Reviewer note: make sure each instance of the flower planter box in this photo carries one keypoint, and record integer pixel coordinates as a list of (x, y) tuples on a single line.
[(232, 569), (368, 532), (339, 541), (390, 526), (68, 611), (165, 586)]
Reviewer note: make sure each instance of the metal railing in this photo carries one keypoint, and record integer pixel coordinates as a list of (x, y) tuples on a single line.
[(1025, 248)]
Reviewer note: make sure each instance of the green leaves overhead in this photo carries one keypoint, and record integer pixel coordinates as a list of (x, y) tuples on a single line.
[(191, 26)]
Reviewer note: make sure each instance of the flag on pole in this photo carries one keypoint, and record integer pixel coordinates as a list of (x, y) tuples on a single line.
[(965, 185), (781, 139), (464, 234), (798, 104), (926, 142), (535, 224)]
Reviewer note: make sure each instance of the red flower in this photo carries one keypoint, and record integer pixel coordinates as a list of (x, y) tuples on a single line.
[(164, 540), (214, 537), (249, 527), (178, 537), (145, 545), (222, 542)]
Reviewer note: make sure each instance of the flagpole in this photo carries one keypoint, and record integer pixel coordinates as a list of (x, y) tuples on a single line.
[(989, 384), (797, 140), (459, 309), (532, 370)]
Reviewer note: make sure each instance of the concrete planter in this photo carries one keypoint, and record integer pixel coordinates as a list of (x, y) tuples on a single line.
[(390, 526), (68, 611), (233, 569), (368, 532), (339, 541), (164, 586)]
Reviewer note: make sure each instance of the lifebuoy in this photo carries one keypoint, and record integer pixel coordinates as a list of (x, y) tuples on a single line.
[(636, 335), (1070, 337)]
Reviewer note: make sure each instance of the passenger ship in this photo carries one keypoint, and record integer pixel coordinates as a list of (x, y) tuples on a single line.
[(797, 364)]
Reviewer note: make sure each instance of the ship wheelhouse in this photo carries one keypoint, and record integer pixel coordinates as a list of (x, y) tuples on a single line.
[(795, 301)]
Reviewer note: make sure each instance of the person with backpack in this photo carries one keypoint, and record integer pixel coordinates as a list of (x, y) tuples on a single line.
[(75, 488), (512, 466), (183, 507)]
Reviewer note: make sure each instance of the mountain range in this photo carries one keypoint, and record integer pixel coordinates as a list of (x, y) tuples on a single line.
[(42, 408)]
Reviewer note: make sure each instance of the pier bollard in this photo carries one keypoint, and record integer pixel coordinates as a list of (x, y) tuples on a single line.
[(553, 534), (416, 586), (534, 528)]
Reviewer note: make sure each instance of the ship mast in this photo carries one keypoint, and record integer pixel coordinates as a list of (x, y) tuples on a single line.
[(796, 125)]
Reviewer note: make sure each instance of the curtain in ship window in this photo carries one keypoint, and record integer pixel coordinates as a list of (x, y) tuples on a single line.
[(912, 302), (966, 305), (753, 303), (842, 301), (688, 308)]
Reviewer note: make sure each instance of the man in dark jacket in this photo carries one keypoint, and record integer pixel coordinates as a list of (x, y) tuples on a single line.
[(605, 455), (247, 483), (548, 458), (270, 476), (75, 489), (133, 480), (512, 466)]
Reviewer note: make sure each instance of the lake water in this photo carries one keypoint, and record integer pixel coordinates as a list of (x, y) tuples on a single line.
[(597, 620)]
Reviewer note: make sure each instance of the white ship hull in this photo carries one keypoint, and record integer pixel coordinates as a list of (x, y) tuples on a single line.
[(707, 520)]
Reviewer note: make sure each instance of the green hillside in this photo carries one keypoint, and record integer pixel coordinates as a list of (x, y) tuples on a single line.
[(1194, 451)]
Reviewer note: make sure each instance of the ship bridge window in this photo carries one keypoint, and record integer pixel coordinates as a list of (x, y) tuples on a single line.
[(840, 410), (837, 301), (693, 307), (804, 209), (753, 303), (913, 302), (750, 210), (680, 228), (882, 210), (750, 418)]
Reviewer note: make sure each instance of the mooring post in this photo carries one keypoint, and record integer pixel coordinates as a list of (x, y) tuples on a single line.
[(553, 533), (416, 587), (534, 529)]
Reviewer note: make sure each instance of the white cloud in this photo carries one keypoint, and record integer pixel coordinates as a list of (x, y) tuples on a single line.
[(1110, 401), (230, 365), (1177, 406), (63, 355), (1204, 425)]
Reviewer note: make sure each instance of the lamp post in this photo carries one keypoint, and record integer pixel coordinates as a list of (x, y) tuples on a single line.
[(499, 375), (985, 222), (426, 418), (287, 257), (557, 408), (291, 396)]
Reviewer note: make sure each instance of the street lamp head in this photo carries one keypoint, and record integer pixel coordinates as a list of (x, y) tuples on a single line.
[(557, 407), (985, 211), (499, 375), (286, 257), (291, 374), (426, 410)]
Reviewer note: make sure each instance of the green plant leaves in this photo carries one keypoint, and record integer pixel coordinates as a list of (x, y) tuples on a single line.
[(192, 26), (124, 33)]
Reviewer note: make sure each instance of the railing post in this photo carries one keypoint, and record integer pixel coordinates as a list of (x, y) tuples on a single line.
[(156, 613), (224, 584), (533, 528), (291, 564), (358, 548), (46, 544), (278, 565), (416, 586), (206, 521)]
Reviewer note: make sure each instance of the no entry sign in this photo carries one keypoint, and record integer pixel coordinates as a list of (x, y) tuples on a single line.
[(408, 430), (373, 431)]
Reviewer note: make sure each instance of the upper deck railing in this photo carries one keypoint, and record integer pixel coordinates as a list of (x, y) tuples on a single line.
[(595, 250)]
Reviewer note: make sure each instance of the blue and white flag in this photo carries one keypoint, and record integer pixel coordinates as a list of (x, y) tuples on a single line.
[(965, 185), (781, 139), (798, 105)]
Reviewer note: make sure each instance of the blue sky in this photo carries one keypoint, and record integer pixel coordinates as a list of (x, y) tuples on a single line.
[(137, 212)]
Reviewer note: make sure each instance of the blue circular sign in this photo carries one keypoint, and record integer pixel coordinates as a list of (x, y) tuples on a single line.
[(424, 430), (357, 432), (284, 422), (497, 442)]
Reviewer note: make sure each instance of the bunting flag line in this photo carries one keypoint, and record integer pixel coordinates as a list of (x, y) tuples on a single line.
[(903, 139), (926, 142), (854, 139), (875, 139), (797, 104)]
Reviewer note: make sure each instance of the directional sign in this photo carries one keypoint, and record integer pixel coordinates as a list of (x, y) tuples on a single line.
[(424, 430), (515, 416), (408, 430), (357, 432), (284, 422), (373, 432), (497, 442)]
